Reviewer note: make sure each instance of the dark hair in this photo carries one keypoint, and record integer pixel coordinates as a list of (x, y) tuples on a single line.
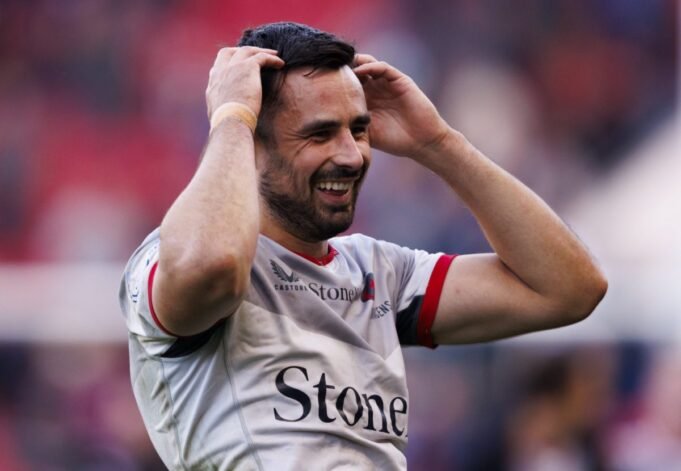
[(299, 46)]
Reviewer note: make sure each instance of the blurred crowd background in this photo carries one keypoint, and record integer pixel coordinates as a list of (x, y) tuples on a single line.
[(102, 119)]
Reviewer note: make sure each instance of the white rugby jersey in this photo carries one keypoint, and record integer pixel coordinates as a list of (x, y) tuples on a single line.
[(306, 374)]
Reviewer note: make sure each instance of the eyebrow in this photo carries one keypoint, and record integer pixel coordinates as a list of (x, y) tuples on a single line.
[(323, 124)]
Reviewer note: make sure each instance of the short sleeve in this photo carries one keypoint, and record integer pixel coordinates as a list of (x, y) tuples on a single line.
[(135, 298), (420, 277)]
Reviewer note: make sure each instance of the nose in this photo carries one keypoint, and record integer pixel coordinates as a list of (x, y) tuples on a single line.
[(349, 153)]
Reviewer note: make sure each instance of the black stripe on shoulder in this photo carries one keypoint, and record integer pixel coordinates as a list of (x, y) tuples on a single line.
[(407, 322), (184, 346)]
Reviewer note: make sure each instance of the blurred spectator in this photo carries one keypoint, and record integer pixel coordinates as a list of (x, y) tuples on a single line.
[(15, 377), (552, 413), (110, 94), (651, 438), (559, 422)]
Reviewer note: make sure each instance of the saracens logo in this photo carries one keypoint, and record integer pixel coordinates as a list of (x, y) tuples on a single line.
[(369, 291)]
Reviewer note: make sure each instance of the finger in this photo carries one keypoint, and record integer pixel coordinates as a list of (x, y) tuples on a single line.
[(256, 49), (223, 56), (247, 51), (363, 79), (268, 60), (226, 54), (378, 70), (363, 59)]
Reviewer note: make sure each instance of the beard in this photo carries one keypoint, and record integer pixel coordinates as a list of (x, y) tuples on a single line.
[(292, 201)]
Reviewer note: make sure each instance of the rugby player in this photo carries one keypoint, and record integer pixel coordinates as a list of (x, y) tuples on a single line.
[(260, 339)]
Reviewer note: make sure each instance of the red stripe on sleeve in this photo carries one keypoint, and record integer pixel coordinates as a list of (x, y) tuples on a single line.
[(431, 300), (150, 285)]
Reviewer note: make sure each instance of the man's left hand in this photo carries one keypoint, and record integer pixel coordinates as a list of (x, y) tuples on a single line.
[(404, 121)]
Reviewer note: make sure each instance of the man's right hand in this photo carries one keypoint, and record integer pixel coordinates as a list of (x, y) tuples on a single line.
[(235, 76), (209, 236)]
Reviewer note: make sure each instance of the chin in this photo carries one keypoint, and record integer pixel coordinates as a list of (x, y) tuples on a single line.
[(339, 218), (328, 227)]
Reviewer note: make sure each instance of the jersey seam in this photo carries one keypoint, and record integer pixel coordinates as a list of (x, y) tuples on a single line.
[(242, 420), (166, 389), (394, 294), (176, 432)]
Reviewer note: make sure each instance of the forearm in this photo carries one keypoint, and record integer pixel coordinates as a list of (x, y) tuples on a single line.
[(528, 237), (213, 224)]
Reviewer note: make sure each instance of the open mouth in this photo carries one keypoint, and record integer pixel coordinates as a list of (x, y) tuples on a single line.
[(334, 191), (338, 188)]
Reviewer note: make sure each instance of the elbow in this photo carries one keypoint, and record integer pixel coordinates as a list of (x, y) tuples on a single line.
[(213, 269), (594, 290), (198, 283), (600, 287), (198, 294), (216, 278), (226, 276), (236, 272), (584, 297)]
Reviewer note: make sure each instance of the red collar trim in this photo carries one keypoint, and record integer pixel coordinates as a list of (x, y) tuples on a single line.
[(325, 260)]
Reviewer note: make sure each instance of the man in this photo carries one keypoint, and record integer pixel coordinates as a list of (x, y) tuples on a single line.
[(258, 340)]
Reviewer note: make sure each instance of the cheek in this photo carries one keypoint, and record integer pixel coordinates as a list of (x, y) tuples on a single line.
[(282, 174), (365, 150), (294, 181), (306, 168)]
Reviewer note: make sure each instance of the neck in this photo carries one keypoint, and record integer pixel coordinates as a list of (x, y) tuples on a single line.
[(271, 229)]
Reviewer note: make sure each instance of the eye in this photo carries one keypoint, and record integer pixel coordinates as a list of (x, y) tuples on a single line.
[(359, 131), (321, 135)]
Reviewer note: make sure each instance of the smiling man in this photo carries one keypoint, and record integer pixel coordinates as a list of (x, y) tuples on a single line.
[(259, 339), (308, 195)]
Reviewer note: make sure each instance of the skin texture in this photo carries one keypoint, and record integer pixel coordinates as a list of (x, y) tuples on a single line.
[(540, 275)]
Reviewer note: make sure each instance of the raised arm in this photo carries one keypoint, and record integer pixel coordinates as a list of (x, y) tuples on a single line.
[(208, 237), (540, 276)]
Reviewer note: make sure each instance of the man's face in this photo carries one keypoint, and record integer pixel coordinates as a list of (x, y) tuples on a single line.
[(319, 154)]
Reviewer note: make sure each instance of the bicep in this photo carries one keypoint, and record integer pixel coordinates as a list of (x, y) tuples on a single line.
[(482, 299), (184, 305)]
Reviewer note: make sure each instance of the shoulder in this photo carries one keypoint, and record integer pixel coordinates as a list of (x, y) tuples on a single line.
[(352, 241), (146, 249), (358, 245), (142, 259), (363, 247)]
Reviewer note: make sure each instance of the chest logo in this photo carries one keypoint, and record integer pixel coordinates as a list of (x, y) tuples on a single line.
[(369, 291), (281, 273), (345, 405)]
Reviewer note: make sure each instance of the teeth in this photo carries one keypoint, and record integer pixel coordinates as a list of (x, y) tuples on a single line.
[(336, 186)]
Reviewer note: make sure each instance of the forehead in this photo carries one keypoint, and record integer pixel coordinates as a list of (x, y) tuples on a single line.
[(321, 94)]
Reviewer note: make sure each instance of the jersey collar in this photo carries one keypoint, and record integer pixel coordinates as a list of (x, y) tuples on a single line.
[(321, 261)]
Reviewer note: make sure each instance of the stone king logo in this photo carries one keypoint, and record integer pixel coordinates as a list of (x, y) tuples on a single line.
[(334, 402)]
